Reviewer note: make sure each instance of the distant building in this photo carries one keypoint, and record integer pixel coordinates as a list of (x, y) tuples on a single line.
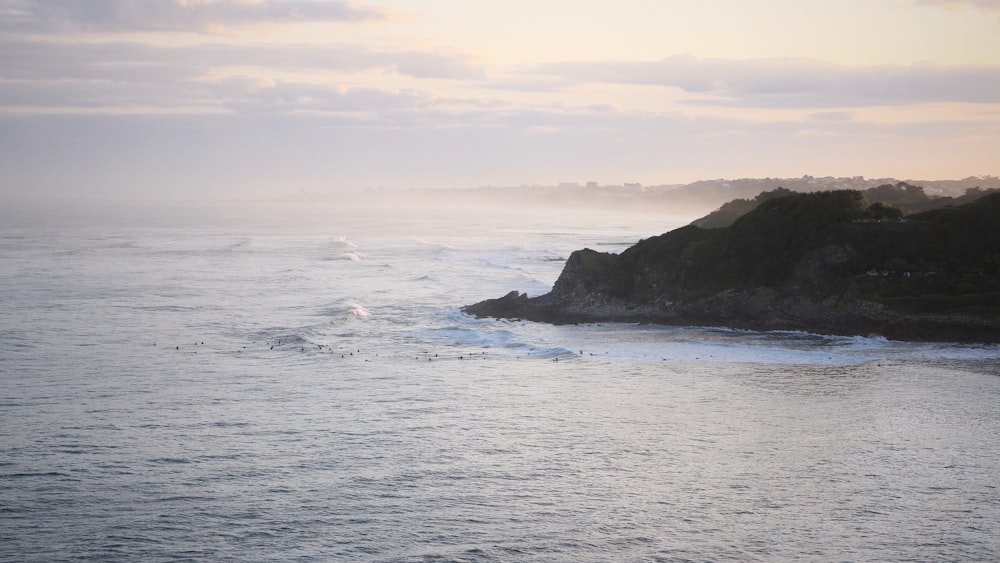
[(633, 186)]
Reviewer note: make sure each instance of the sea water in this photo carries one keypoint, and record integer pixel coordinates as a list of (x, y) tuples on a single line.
[(271, 385)]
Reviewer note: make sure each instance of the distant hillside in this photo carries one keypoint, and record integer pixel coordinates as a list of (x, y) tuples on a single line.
[(718, 192), (690, 200), (901, 198), (823, 262)]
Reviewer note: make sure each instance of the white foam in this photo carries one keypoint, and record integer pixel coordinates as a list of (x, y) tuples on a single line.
[(345, 242), (660, 343), (470, 337), (358, 310), (346, 309)]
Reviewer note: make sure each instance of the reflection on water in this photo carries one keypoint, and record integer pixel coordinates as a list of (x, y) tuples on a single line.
[(211, 392)]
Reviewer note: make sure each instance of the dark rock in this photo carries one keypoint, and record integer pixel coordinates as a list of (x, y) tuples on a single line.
[(801, 262)]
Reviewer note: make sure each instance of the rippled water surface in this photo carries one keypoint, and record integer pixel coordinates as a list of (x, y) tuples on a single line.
[(275, 388)]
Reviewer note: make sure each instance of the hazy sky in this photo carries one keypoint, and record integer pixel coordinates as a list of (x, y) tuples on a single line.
[(200, 98)]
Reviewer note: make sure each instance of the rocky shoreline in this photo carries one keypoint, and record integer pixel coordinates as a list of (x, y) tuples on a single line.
[(760, 310), (831, 275)]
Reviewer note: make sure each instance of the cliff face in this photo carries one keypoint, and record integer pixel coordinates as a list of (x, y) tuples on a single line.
[(821, 262)]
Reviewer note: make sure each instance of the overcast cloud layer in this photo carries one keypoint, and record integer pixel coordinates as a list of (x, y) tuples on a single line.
[(228, 98), (796, 82), (174, 15)]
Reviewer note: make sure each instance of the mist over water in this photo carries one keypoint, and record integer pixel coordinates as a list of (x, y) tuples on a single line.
[(283, 383)]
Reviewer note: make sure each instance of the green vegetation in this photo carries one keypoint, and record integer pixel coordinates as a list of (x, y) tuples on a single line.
[(896, 199), (821, 244), (733, 210), (832, 262)]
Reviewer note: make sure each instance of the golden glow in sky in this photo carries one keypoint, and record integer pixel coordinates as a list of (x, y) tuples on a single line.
[(243, 96), (518, 32)]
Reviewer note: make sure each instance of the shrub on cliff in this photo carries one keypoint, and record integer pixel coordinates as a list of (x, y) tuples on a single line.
[(840, 238)]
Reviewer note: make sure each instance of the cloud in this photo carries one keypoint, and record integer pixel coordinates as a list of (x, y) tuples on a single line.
[(132, 61), (127, 77), (791, 82), (174, 15), (833, 116), (368, 104), (238, 95), (981, 4)]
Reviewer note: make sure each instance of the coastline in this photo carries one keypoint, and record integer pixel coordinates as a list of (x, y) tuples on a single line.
[(759, 310), (826, 263)]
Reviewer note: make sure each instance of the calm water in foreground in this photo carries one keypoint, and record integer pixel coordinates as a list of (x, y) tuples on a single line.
[(270, 387)]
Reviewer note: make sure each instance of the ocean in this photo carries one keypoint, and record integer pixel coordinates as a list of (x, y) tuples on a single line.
[(278, 383)]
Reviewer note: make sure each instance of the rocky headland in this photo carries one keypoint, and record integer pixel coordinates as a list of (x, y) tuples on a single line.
[(827, 262)]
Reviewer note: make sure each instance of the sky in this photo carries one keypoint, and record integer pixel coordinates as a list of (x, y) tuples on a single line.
[(210, 99)]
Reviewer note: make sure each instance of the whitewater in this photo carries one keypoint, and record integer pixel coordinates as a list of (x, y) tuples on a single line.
[(276, 383)]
